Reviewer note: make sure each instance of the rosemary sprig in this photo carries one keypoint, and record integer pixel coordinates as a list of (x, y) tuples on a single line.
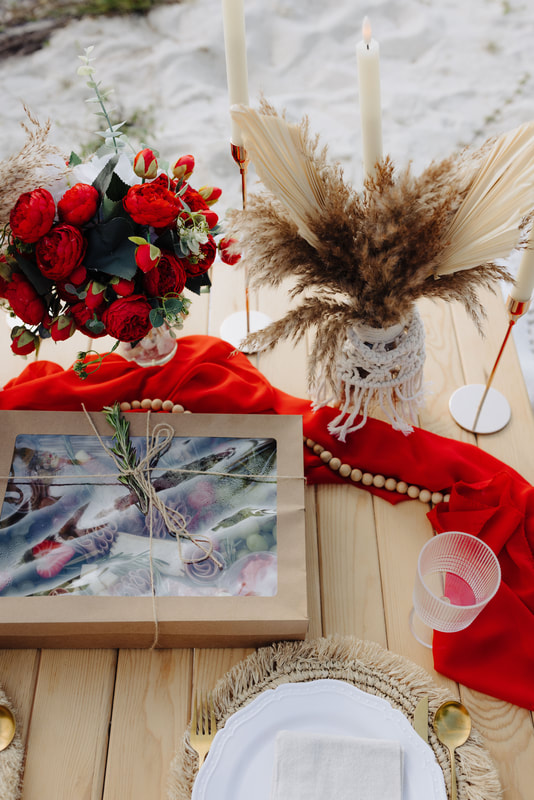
[(126, 454)]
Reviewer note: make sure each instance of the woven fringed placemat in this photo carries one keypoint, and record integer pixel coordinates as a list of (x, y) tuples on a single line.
[(368, 667), (11, 760)]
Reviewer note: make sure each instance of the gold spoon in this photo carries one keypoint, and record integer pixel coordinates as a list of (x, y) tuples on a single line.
[(452, 724), (7, 727)]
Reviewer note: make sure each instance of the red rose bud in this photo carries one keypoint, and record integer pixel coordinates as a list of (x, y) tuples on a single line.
[(147, 257), (24, 300), (183, 167), (152, 204), (128, 319), (32, 215), (62, 328), (81, 316), (227, 249), (145, 164), (122, 286), (23, 341), (79, 204), (170, 276), (210, 194), (60, 252), (95, 297)]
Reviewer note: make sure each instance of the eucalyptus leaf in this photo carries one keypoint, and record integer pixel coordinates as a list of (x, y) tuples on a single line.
[(156, 317), (74, 159), (95, 326)]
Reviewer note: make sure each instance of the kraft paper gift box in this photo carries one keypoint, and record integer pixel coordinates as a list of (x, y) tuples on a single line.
[(86, 559)]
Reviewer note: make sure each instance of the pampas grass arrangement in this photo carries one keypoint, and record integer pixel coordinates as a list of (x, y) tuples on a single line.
[(364, 258)]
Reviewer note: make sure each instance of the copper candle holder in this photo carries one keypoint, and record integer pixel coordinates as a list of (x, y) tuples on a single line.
[(477, 407)]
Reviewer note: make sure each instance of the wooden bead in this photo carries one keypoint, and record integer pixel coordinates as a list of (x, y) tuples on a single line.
[(436, 498), (356, 475), (187, 411), (367, 479), (379, 481), (310, 443), (425, 496), (446, 498), (402, 487), (178, 409), (167, 405), (146, 403), (413, 492), (157, 404), (391, 484), (345, 470), (318, 449), (326, 455), (125, 406), (136, 404), (334, 464)]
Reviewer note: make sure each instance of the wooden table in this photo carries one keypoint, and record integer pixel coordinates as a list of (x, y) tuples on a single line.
[(104, 724)]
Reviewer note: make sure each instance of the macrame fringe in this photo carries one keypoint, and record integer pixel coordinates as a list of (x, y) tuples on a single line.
[(378, 368)]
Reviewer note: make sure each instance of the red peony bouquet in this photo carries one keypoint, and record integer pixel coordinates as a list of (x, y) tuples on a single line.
[(109, 247)]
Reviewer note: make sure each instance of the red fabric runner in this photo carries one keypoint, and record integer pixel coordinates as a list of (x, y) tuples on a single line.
[(489, 499)]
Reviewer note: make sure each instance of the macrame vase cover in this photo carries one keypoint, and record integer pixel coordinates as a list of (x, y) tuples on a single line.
[(377, 368)]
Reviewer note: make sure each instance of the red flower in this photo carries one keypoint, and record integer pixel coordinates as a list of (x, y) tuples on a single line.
[(208, 251), (196, 202), (76, 279), (60, 251), (23, 341), (95, 297), (145, 164), (226, 249), (147, 257), (81, 316), (32, 215), (152, 204), (169, 276), (24, 300), (210, 194), (183, 167), (127, 319), (62, 328), (122, 286), (79, 204)]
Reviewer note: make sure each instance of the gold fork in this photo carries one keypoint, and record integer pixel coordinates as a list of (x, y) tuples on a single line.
[(203, 726)]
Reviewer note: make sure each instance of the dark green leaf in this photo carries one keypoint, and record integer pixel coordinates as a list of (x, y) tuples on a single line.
[(109, 250), (196, 283), (117, 188), (174, 305), (102, 180), (41, 284), (74, 159), (95, 326)]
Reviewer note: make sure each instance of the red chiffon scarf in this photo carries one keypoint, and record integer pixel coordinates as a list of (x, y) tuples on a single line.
[(489, 499)]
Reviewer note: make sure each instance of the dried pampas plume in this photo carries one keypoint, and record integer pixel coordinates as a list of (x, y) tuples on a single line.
[(367, 257), (37, 162)]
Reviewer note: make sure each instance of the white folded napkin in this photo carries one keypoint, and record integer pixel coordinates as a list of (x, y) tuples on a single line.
[(314, 766)]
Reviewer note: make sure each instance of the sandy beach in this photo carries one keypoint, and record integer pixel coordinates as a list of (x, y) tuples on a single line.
[(452, 74)]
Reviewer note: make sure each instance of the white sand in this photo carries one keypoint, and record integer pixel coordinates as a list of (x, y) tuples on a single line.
[(453, 73)]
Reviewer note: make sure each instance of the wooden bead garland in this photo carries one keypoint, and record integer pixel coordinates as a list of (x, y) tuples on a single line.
[(368, 479), (154, 405)]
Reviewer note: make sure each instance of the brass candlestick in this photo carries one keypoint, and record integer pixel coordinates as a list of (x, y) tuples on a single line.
[(238, 325), (479, 408)]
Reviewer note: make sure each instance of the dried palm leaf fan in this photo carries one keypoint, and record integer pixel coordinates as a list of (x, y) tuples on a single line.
[(360, 260)]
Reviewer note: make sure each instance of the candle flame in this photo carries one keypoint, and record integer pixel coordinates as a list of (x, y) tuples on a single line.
[(366, 30)]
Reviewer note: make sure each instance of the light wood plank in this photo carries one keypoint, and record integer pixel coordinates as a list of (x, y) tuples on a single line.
[(313, 577), (150, 713), (350, 575), (18, 671), (211, 664), (67, 743)]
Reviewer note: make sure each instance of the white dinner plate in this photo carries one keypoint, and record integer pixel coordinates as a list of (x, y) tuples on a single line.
[(239, 764)]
